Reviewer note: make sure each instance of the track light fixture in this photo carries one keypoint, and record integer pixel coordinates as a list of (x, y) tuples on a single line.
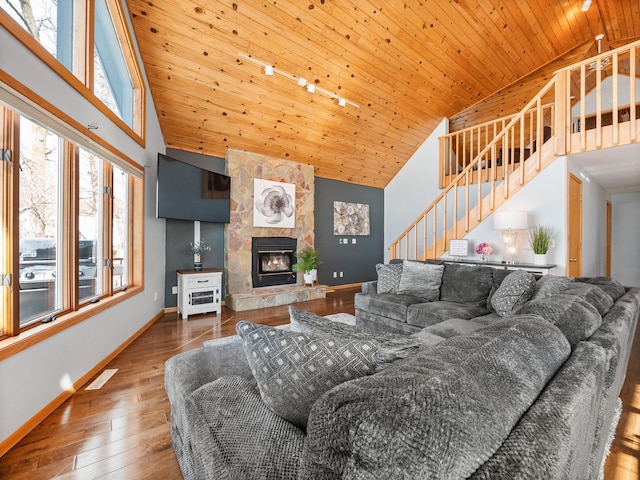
[(585, 5), (302, 82)]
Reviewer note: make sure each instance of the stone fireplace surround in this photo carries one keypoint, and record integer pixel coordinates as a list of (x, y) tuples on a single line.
[(243, 167)]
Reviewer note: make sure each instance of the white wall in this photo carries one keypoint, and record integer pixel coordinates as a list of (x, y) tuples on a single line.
[(624, 88), (32, 378), (413, 188), (594, 217), (625, 254)]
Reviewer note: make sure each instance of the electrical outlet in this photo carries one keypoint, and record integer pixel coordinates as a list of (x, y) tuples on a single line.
[(155, 296), (353, 241), (335, 274), (552, 243), (174, 290), (341, 274)]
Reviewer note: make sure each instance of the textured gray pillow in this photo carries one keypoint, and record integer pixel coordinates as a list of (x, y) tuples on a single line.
[(421, 280), (549, 285), (388, 277), (294, 369), (514, 291), (391, 346)]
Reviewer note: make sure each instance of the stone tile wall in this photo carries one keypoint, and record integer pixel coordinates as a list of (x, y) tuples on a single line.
[(243, 167)]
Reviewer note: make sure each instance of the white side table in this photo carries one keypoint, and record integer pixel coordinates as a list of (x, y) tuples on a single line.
[(199, 291)]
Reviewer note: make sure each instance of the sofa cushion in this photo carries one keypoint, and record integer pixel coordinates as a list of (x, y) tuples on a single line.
[(387, 305), (293, 369), (610, 285), (438, 414), (421, 280), (466, 284), (425, 314), (391, 346), (592, 294), (576, 318), (514, 291), (563, 417), (549, 285), (261, 445), (453, 328), (388, 277)]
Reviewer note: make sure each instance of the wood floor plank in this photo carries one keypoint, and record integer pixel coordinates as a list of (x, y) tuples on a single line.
[(122, 431)]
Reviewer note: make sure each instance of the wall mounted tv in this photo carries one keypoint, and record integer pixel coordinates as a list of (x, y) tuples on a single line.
[(186, 192)]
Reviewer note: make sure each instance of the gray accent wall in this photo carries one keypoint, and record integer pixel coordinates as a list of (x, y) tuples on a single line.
[(179, 233), (356, 261)]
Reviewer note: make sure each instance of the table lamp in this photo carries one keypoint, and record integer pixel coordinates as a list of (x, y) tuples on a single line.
[(510, 223)]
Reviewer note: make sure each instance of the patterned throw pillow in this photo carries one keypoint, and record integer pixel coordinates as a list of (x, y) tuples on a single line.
[(388, 277), (421, 280), (514, 291), (294, 369), (391, 346)]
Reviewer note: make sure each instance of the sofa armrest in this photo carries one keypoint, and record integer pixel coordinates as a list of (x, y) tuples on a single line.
[(369, 288)]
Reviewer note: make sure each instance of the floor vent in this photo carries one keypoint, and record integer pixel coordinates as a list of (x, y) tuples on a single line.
[(103, 378)]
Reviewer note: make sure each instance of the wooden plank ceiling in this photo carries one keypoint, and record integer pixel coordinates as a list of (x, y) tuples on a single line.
[(407, 64)]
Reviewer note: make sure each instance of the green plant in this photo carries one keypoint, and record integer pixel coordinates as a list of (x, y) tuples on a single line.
[(307, 260), (199, 247), (540, 239)]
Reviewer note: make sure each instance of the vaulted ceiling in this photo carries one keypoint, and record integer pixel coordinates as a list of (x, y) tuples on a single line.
[(406, 64)]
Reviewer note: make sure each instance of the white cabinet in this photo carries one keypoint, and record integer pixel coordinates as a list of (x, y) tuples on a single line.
[(199, 291)]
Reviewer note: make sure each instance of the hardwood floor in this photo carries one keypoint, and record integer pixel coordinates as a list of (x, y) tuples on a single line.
[(122, 431)]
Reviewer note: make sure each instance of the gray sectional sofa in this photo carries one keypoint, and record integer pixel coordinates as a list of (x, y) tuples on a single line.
[(527, 388)]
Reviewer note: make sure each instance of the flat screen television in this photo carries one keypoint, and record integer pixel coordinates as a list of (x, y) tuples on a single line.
[(187, 192)]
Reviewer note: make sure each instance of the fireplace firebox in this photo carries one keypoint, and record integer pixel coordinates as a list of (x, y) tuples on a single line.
[(272, 261)]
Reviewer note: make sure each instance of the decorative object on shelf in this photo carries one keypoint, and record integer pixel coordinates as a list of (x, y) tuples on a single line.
[(308, 262), (274, 204), (458, 248), (540, 239), (510, 223), (350, 218), (485, 250), (198, 248)]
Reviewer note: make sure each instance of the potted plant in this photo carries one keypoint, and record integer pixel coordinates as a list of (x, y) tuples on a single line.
[(540, 240), (198, 248), (308, 262)]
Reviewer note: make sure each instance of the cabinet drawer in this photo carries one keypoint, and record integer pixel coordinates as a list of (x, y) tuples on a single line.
[(203, 281)]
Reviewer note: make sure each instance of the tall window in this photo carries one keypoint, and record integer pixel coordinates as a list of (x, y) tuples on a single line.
[(49, 22), (120, 234), (39, 222), (107, 65), (89, 226)]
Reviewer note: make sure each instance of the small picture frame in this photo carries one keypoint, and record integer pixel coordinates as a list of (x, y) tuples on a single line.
[(458, 248)]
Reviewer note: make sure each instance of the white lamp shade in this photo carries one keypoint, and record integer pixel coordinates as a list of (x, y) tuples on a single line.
[(510, 220)]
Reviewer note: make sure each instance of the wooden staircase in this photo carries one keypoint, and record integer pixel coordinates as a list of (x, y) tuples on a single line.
[(483, 166)]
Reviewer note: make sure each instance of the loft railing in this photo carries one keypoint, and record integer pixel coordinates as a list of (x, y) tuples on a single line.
[(483, 166)]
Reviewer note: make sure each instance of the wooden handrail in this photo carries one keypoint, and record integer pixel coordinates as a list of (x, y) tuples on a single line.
[(505, 162)]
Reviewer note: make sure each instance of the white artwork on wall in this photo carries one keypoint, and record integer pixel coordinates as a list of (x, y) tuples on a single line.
[(274, 204), (350, 218)]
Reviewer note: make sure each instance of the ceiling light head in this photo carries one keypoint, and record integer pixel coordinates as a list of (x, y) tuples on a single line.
[(311, 88), (302, 81), (268, 70), (585, 5), (342, 102), (599, 37)]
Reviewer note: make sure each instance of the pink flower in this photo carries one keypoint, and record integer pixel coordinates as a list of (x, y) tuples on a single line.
[(484, 249)]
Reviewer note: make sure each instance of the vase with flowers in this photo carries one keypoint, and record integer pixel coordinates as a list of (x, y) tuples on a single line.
[(198, 248), (485, 250)]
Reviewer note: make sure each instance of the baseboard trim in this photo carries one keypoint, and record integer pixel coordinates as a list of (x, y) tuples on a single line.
[(13, 439)]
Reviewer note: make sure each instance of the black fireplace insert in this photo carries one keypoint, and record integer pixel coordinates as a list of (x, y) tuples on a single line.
[(272, 261)]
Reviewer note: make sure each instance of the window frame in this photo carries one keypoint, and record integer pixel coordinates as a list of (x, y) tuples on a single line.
[(81, 79), (13, 339)]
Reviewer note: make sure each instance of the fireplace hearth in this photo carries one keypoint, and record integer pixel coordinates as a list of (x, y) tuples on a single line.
[(272, 260)]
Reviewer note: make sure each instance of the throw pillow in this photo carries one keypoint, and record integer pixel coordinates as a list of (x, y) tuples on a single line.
[(549, 285), (514, 291), (294, 369), (421, 280), (388, 277), (391, 346)]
